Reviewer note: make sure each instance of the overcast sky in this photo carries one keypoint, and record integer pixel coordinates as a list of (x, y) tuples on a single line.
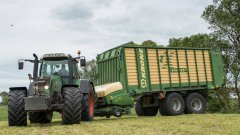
[(45, 26)]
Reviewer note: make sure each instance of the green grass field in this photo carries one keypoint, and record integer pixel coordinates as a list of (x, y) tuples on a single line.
[(185, 124)]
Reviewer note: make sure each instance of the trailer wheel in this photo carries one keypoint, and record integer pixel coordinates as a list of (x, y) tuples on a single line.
[(145, 111), (71, 113), (172, 105), (40, 117), (88, 102), (139, 108), (17, 116), (195, 103), (150, 111)]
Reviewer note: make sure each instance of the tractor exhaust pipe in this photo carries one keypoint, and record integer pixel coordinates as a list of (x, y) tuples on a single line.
[(35, 68)]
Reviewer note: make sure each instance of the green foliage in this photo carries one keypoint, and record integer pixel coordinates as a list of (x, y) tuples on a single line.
[(213, 105), (197, 41), (3, 93), (149, 43), (89, 71), (224, 20), (219, 101), (5, 100), (132, 44)]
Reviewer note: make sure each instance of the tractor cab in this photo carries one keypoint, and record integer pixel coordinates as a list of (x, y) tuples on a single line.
[(53, 72), (60, 65)]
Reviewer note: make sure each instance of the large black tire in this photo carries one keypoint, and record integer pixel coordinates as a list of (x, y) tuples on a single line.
[(172, 105), (17, 116), (195, 103), (150, 111), (139, 108), (88, 101), (145, 111), (71, 113), (40, 117), (88, 107)]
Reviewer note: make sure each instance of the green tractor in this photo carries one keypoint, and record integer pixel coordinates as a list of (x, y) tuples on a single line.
[(55, 87)]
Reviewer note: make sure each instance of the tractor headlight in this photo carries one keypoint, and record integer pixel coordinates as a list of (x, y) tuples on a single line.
[(46, 87)]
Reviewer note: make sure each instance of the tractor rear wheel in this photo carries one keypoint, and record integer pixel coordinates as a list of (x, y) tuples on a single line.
[(40, 117), (17, 116), (172, 105), (88, 102), (145, 111), (71, 113), (195, 103)]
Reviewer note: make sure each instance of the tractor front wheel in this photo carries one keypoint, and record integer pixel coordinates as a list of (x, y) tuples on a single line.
[(71, 113), (17, 116)]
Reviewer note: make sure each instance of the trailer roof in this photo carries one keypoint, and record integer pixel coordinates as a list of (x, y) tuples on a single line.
[(113, 52)]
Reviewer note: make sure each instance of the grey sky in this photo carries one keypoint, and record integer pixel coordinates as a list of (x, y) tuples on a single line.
[(93, 26)]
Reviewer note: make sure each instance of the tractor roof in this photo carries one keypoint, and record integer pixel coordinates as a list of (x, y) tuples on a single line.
[(54, 55)]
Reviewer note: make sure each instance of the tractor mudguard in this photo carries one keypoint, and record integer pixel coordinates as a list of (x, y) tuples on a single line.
[(19, 89), (85, 87)]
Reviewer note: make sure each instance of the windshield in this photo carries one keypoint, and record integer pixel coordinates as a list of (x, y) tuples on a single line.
[(50, 67)]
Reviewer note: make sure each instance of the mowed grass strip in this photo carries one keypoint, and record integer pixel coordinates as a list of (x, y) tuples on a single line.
[(3, 113), (184, 124)]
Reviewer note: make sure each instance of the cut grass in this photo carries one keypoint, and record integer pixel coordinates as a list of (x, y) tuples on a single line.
[(3, 113), (184, 124)]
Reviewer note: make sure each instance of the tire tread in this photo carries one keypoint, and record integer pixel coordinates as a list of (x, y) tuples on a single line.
[(17, 116)]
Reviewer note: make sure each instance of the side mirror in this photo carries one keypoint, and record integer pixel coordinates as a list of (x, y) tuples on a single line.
[(82, 62), (20, 65)]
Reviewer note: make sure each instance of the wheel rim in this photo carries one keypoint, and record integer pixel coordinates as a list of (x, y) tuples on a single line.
[(118, 114), (176, 104), (196, 104), (91, 105)]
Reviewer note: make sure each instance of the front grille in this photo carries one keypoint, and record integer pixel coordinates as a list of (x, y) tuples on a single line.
[(40, 83)]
